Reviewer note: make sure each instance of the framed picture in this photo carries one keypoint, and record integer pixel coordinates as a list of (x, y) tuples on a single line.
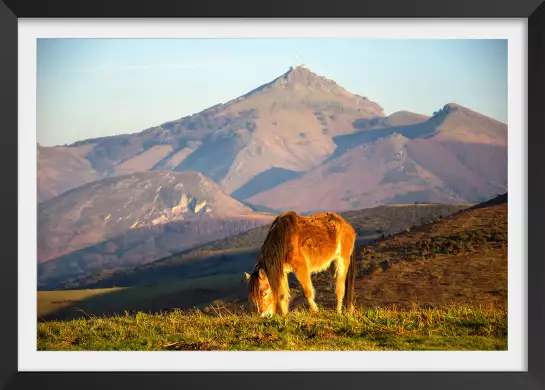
[(287, 194)]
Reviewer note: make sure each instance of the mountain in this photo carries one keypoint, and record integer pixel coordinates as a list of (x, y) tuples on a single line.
[(132, 219), (456, 156), (237, 253), (287, 124), (300, 132), (303, 142), (296, 117)]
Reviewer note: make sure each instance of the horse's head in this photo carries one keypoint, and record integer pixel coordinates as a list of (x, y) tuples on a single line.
[(260, 295)]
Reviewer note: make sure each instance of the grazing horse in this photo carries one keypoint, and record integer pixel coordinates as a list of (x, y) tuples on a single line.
[(303, 245)]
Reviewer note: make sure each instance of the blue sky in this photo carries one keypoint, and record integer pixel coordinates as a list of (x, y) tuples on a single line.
[(96, 87)]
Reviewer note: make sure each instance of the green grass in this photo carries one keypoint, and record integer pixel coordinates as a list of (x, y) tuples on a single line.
[(451, 328)]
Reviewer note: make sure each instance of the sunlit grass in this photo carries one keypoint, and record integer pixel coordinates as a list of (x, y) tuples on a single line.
[(450, 328)]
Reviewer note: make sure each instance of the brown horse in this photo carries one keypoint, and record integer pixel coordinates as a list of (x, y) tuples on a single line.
[(303, 245)]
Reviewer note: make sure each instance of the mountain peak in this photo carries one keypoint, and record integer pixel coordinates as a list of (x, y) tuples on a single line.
[(453, 107), (300, 84), (450, 108), (300, 69), (301, 75)]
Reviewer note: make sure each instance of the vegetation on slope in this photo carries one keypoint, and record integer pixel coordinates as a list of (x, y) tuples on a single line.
[(458, 259)]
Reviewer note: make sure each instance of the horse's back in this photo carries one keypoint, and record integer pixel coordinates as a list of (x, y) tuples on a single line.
[(321, 237), (317, 224)]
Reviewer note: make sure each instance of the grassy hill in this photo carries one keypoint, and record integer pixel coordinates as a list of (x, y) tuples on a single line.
[(237, 253), (459, 259)]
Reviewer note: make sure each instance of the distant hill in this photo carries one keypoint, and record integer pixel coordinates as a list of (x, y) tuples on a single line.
[(237, 253), (132, 219), (399, 118), (303, 142)]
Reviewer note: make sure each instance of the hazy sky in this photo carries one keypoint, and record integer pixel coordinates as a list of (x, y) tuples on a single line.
[(96, 87)]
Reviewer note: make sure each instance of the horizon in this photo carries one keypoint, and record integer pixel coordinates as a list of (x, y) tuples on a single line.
[(84, 86)]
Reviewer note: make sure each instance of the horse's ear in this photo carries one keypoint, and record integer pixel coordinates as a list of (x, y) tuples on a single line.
[(247, 275), (262, 274)]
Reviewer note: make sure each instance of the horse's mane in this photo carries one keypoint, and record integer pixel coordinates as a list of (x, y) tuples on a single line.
[(273, 252)]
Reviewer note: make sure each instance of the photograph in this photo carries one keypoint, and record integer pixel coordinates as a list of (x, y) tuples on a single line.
[(277, 194)]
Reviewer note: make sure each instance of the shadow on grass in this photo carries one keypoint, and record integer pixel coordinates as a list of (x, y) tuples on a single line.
[(228, 292), (184, 295)]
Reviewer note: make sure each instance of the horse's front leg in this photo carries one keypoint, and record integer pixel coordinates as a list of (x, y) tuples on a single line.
[(283, 295), (303, 275)]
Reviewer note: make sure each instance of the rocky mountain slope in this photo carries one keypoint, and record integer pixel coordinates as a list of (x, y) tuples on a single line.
[(135, 218)]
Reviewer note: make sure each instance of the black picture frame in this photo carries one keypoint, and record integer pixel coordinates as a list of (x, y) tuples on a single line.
[(532, 10)]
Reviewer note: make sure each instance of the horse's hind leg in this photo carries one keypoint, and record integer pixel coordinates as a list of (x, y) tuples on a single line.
[(333, 274), (303, 274), (342, 269)]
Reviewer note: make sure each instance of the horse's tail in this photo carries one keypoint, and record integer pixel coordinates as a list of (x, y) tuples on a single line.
[(349, 284)]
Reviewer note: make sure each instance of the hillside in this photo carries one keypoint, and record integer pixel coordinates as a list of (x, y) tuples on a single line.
[(237, 253), (132, 219), (302, 131), (460, 260)]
